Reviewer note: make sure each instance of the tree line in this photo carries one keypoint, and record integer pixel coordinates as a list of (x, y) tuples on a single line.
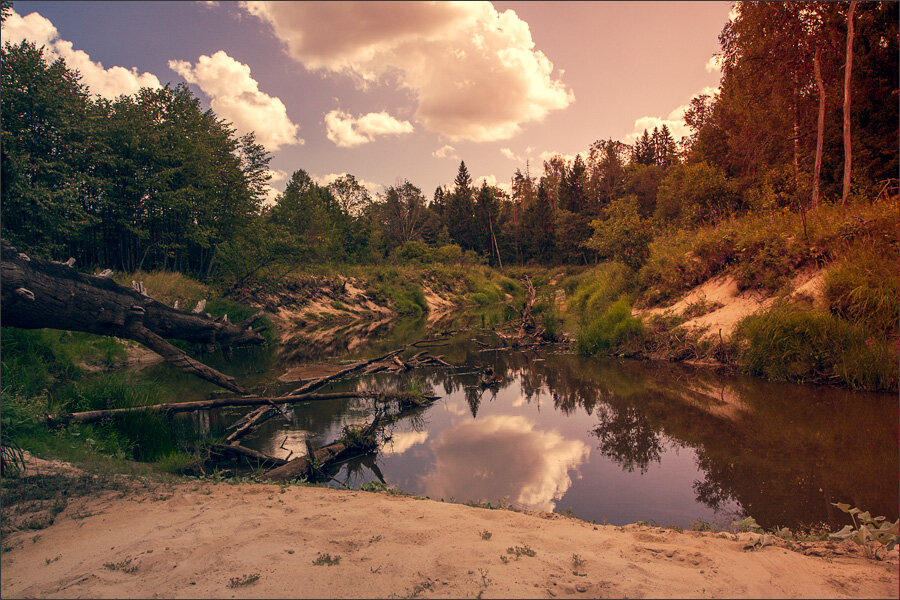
[(153, 181)]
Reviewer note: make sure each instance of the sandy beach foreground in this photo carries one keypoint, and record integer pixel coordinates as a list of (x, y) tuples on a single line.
[(201, 539)]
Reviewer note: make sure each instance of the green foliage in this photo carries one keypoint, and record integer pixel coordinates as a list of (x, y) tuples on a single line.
[(359, 437), (622, 236), (748, 524), (609, 332), (695, 194), (801, 345), (374, 486), (866, 528)]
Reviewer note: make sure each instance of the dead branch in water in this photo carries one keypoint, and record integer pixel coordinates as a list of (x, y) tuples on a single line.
[(93, 416), (316, 460)]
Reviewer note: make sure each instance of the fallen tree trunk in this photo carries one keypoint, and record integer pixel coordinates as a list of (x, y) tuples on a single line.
[(238, 450), (303, 465), (39, 294), (92, 416)]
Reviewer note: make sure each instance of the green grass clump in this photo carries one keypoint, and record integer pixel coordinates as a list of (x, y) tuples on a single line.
[(801, 345), (40, 376), (397, 288), (610, 332), (599, 288), (864, 288)]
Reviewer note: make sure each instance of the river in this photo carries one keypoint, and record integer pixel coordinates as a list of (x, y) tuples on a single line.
[(606, 440)]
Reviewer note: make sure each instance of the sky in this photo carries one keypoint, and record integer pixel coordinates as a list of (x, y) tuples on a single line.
[(394, 91)]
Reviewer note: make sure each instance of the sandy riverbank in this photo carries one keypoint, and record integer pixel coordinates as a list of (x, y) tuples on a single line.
[(218, 540)]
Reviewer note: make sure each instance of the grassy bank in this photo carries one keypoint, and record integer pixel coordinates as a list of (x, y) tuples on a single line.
[(847, 336), (48, 371)]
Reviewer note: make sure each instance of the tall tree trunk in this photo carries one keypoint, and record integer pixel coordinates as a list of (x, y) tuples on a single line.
[(848, 69), (796, 111), (494, 240), (820, 131)]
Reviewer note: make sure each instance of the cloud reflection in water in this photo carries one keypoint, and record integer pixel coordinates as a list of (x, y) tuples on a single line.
[(503, 456)]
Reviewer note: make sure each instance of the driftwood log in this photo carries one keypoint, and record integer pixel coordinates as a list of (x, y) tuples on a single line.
[(39, 293)]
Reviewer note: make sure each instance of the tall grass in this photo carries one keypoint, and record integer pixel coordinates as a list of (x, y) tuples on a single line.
[(598, 289), (801, 345), (864, 288), (41, 375)]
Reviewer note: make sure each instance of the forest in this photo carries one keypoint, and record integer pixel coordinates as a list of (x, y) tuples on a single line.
[(154, 181)]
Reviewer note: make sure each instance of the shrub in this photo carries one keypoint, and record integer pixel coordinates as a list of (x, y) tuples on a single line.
[(610, 331)]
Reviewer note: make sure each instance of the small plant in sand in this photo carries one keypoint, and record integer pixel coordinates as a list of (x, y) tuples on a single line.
[(748, 524), (326, 560), (123, 565), (243, 580), (866, 528), (519, 551), (485, 534), (577, 564)]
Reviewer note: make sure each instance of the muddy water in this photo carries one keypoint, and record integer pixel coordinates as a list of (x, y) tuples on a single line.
[(607, 440)]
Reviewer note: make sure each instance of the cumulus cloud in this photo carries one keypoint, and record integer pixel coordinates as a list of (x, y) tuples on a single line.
[(674, 120), (474, 71), (491, 180), (445, 151), (106, 83), (347, 131), (504, 456), (235, 96), (545, 156), (510, 154)]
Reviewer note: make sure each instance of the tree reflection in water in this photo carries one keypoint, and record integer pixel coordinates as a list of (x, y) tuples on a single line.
[(782, 452), (628, 437)]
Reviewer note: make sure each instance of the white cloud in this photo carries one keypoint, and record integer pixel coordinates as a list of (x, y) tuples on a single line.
[(504, 456), (674, 120), (714, 64), (446, 151), (403, 441), (474, 71), (107, 83), (545, 156), (275, 175), (235, 96), (325, 180), (346, 131), (491, 180), (510, 154)]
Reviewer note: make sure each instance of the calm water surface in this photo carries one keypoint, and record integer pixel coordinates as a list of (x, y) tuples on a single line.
[(614, 441)]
